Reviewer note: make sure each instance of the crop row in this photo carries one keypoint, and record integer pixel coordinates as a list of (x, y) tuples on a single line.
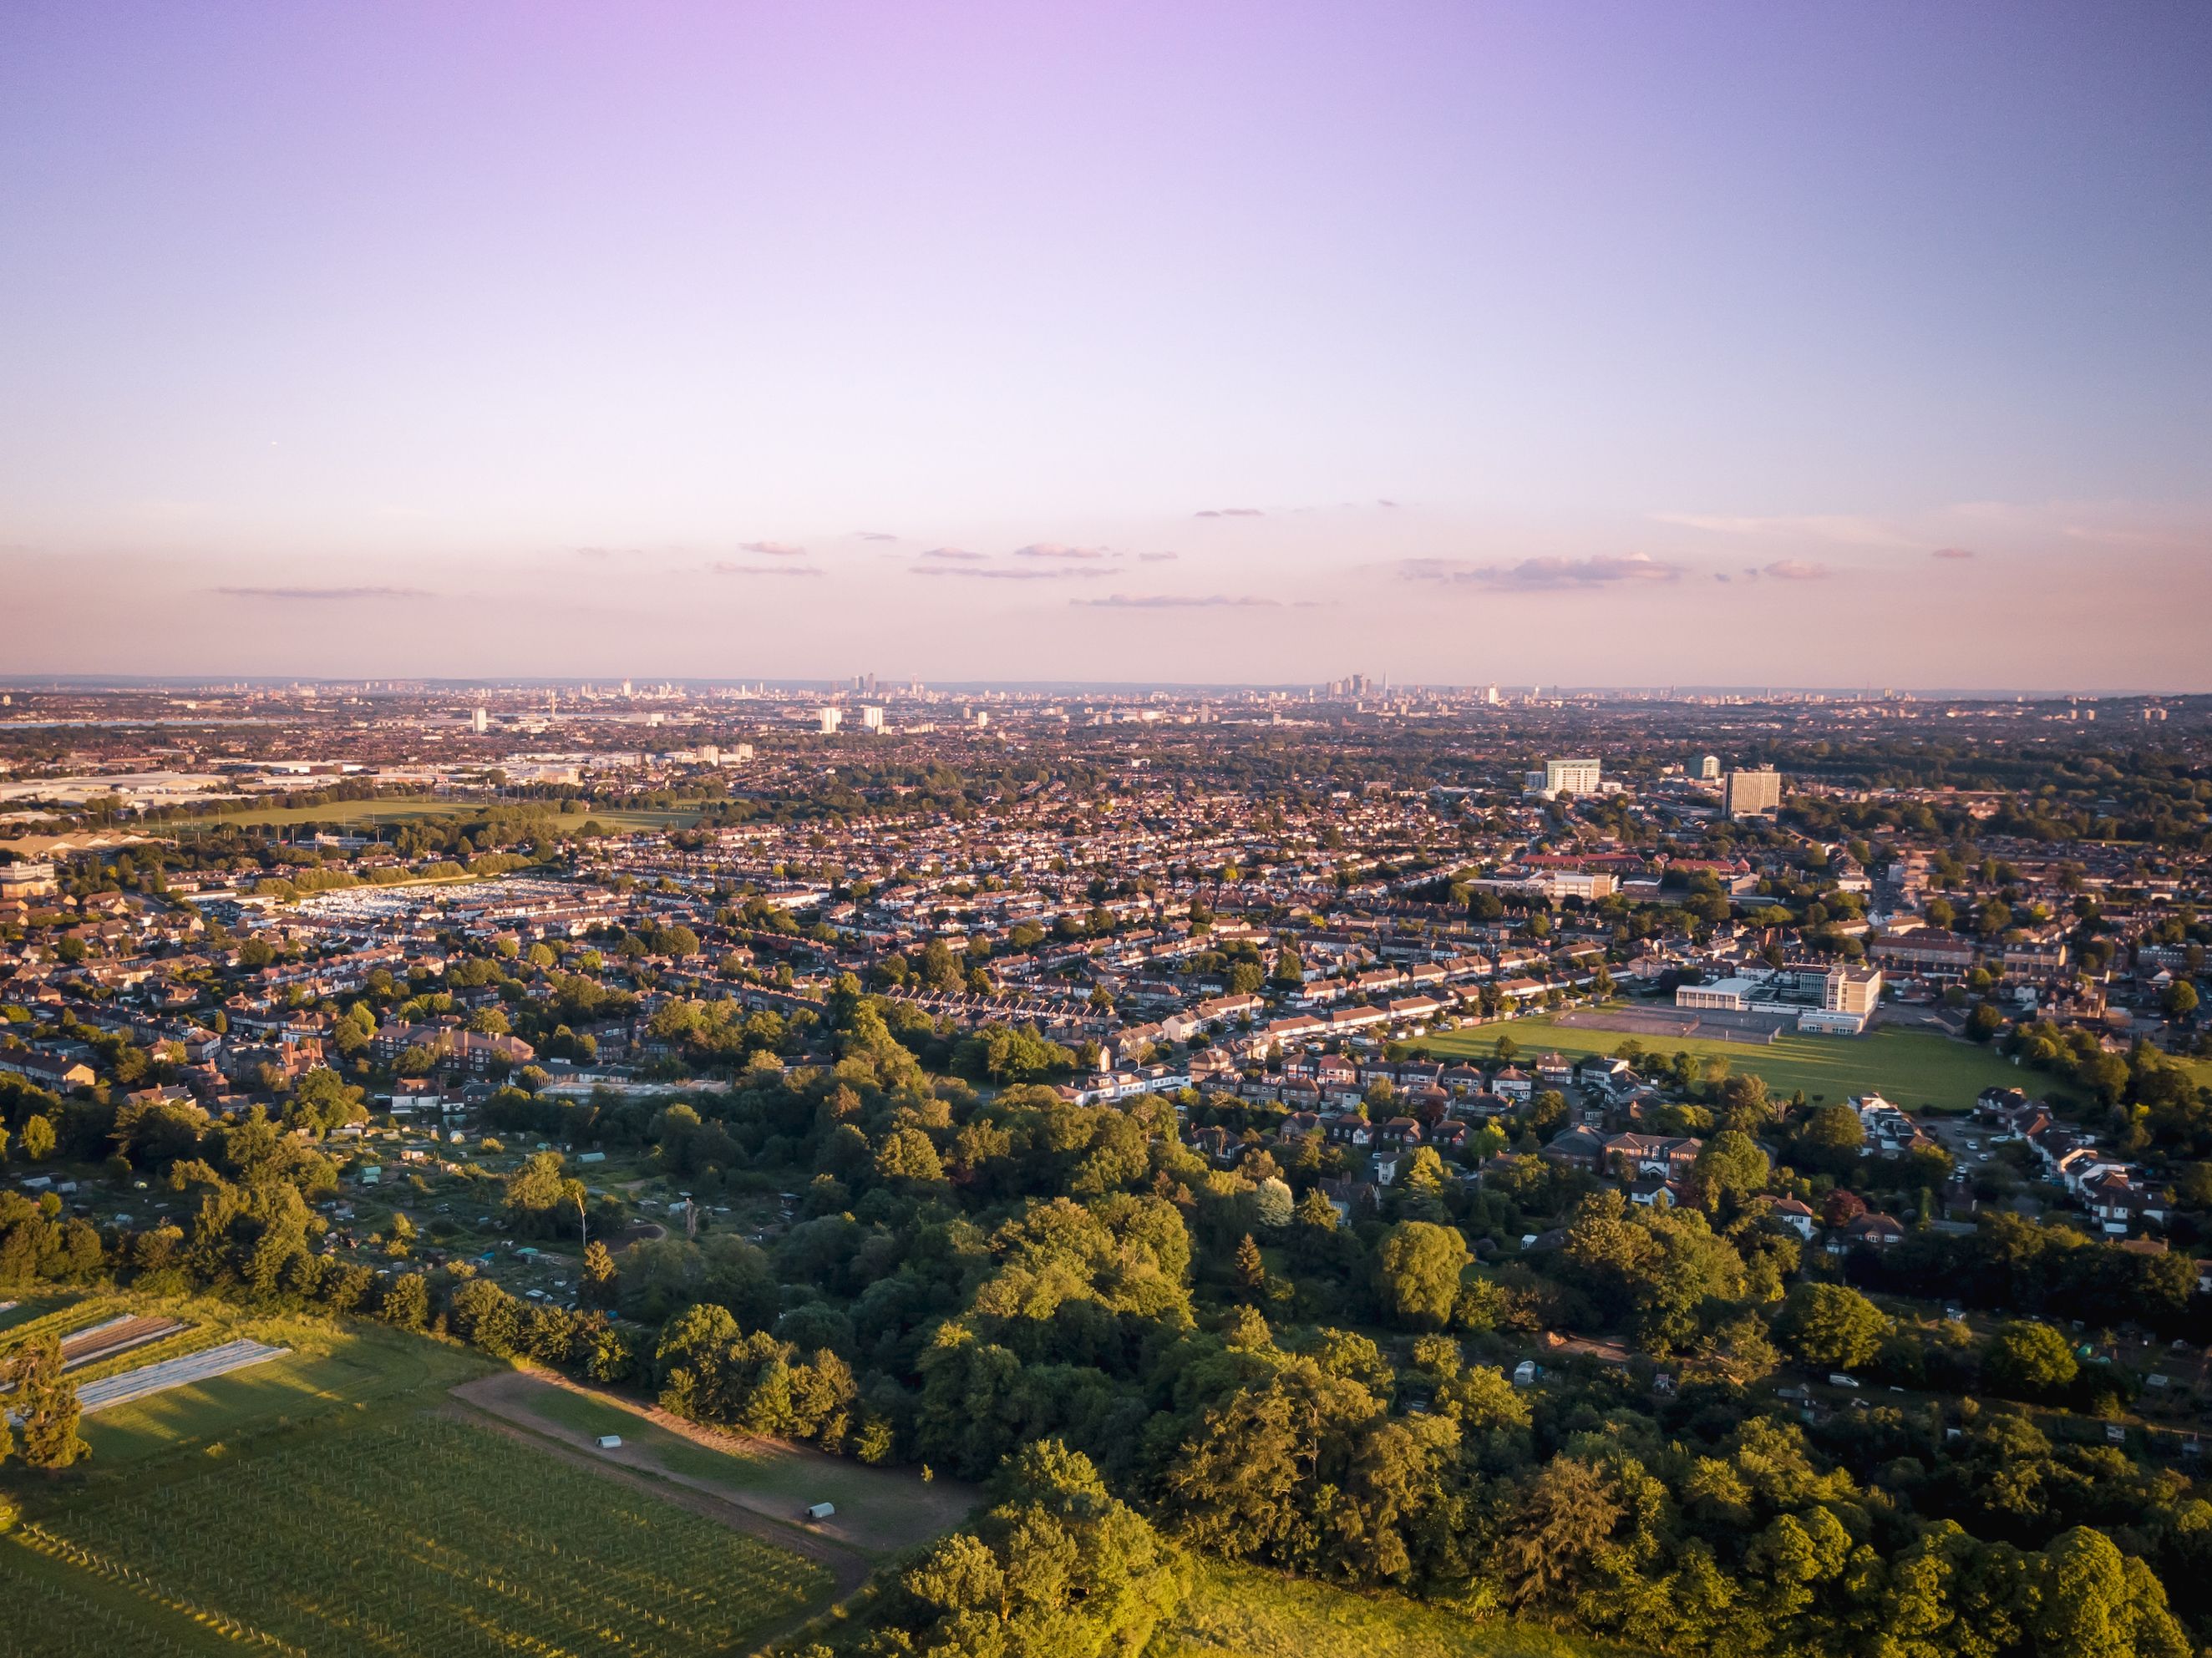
[(431, 1536)]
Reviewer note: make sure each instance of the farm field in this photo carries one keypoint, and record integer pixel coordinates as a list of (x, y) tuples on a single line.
[(413, 1534), (879, 1513), (1916, 1069), (1233, 1611)]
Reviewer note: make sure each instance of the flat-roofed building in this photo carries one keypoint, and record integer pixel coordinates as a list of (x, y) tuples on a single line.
[(1721, 996), (1563, 777), (1752, 793), (1852, 990)]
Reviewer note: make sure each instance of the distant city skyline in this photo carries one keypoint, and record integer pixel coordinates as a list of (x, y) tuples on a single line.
[(1846, 345)]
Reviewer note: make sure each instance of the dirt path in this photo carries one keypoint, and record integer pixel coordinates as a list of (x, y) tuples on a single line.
[(848, 1567), (881, 1513)]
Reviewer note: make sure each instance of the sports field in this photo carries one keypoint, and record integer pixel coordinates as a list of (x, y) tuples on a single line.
[(1916, 1069)]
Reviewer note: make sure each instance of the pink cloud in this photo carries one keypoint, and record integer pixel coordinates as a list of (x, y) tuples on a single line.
[(1546, 574)]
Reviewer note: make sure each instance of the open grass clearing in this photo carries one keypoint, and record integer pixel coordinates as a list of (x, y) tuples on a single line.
[(36, 1317), (420, 1534), (1233, 1611), (1916, 1069), (332, 1371), (879, 1512)]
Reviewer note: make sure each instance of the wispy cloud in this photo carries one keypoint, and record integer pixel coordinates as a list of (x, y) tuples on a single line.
[(772, 548), (954, 555), (1062, 550), (1850, 529), (971, 573), (324, 595), (610, 552), (724, 568), (1539, 574), (1231, 511), (1391, 504), (1797, 569), (1953, 552), (1177, 602), (1157, 558), (875, 534)]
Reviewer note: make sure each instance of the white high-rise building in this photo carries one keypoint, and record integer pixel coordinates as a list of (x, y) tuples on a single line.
[(1565, 777), (831, 718), (481, 721), (1710, 768), (872, 717)]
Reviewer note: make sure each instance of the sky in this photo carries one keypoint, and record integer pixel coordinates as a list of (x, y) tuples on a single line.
[(1825, 344)]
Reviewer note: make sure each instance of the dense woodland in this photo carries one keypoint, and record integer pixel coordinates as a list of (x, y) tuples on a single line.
[(1150, 1356)]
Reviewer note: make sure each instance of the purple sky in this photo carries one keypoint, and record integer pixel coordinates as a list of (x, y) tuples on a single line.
[(1624, 343)]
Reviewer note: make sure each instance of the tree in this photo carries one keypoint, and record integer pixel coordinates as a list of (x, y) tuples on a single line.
[(1829, 1327), (37, 1139), (1061, 1566), (1272, 1203), (1251, 1269), (2180, 999), (907, 1154), (1729, 1169), (1829, 1140), (540, 1197), (2097, 1603), (44, 1401), (1553, 1530), (1418, 1272), (598, 1272), (323, 1102), (407, 1303), (2028, 1360)]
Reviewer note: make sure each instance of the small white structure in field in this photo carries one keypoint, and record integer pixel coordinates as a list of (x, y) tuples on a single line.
[(821, 1510), (610, 1441)]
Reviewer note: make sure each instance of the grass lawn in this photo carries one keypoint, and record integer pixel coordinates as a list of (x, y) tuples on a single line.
[(330, 1368), (40, 1307), (1235, 1613), (879, 1512), (329, 1373), (1916, 1069)]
